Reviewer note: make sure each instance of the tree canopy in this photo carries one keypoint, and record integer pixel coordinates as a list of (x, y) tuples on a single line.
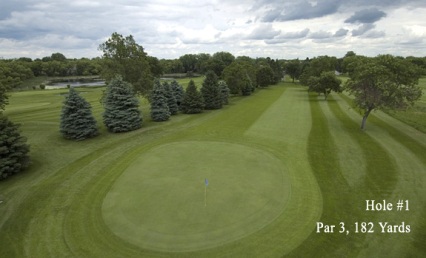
[(123, 56), (293, 69), (325, 83), (316, 66), (265, 76), (383, 82)]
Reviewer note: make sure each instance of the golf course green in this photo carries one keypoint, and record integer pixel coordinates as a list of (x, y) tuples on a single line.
[(276, 163), (167, 207)]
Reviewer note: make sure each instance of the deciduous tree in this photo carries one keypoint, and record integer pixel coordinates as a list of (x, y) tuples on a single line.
[(325, 84), (123, 56), (265, 76), (293, 69), (383, 82)]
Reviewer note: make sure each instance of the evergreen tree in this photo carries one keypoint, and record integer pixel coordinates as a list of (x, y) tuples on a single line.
[(179, 92), (248, 87), (211, 92), (224, 91), (13, 149), (171, 100), (3, 96), (121, 107), (77, 121), (159, 108), (193, 100)]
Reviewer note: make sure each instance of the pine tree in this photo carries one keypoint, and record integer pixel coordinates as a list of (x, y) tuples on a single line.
[(13, 149), (77, 121), (171, 100), (179, 92), (159, 108), (193, 100), (211, 92), (224, 91), (121, 107)]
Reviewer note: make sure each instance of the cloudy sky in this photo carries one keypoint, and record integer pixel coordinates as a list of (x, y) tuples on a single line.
[(256, 28)]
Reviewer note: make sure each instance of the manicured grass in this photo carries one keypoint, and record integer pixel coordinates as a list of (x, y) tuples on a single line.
[(168, 207), (277, 162), (414, 116)]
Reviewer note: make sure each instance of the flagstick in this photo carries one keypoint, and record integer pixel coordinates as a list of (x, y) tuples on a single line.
[(205, 196)]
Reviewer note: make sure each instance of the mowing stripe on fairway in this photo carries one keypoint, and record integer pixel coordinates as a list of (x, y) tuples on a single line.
[(59, 212), (343, 202), (411, 185)]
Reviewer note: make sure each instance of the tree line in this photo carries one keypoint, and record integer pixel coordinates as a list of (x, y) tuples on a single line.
[(381, 82), (384, 82)]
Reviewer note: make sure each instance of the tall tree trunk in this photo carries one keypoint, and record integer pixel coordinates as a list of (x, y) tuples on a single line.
[(364, 118)]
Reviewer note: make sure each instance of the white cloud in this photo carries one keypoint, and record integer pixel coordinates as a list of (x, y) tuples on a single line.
[(169, 29)]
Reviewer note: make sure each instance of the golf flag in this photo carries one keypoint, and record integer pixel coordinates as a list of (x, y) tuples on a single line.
[(206, 182)]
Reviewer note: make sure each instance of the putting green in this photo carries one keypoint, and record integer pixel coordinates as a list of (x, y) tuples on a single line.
[(159, 202)]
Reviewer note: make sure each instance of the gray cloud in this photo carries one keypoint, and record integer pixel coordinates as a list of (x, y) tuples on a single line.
[(294, 34), (320, 35), (362, 29), (302, 10), (341, 33), (289, 36), (264, 31), (374, 34), (366, 16)]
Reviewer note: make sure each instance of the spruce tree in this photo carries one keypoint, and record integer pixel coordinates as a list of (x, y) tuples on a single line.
[(211, 92), (171, 100), (193, 100), (121, 107), (179, 92), (77, 121), (224, 91), (13, 149), (159, 108)]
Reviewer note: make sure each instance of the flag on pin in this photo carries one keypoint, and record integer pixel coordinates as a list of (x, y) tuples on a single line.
[(206, 181)]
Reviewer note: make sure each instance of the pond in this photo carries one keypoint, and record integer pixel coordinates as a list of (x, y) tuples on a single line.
[(63, 83)]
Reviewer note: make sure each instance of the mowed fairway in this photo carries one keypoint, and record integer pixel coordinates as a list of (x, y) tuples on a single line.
[(276, 162)]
